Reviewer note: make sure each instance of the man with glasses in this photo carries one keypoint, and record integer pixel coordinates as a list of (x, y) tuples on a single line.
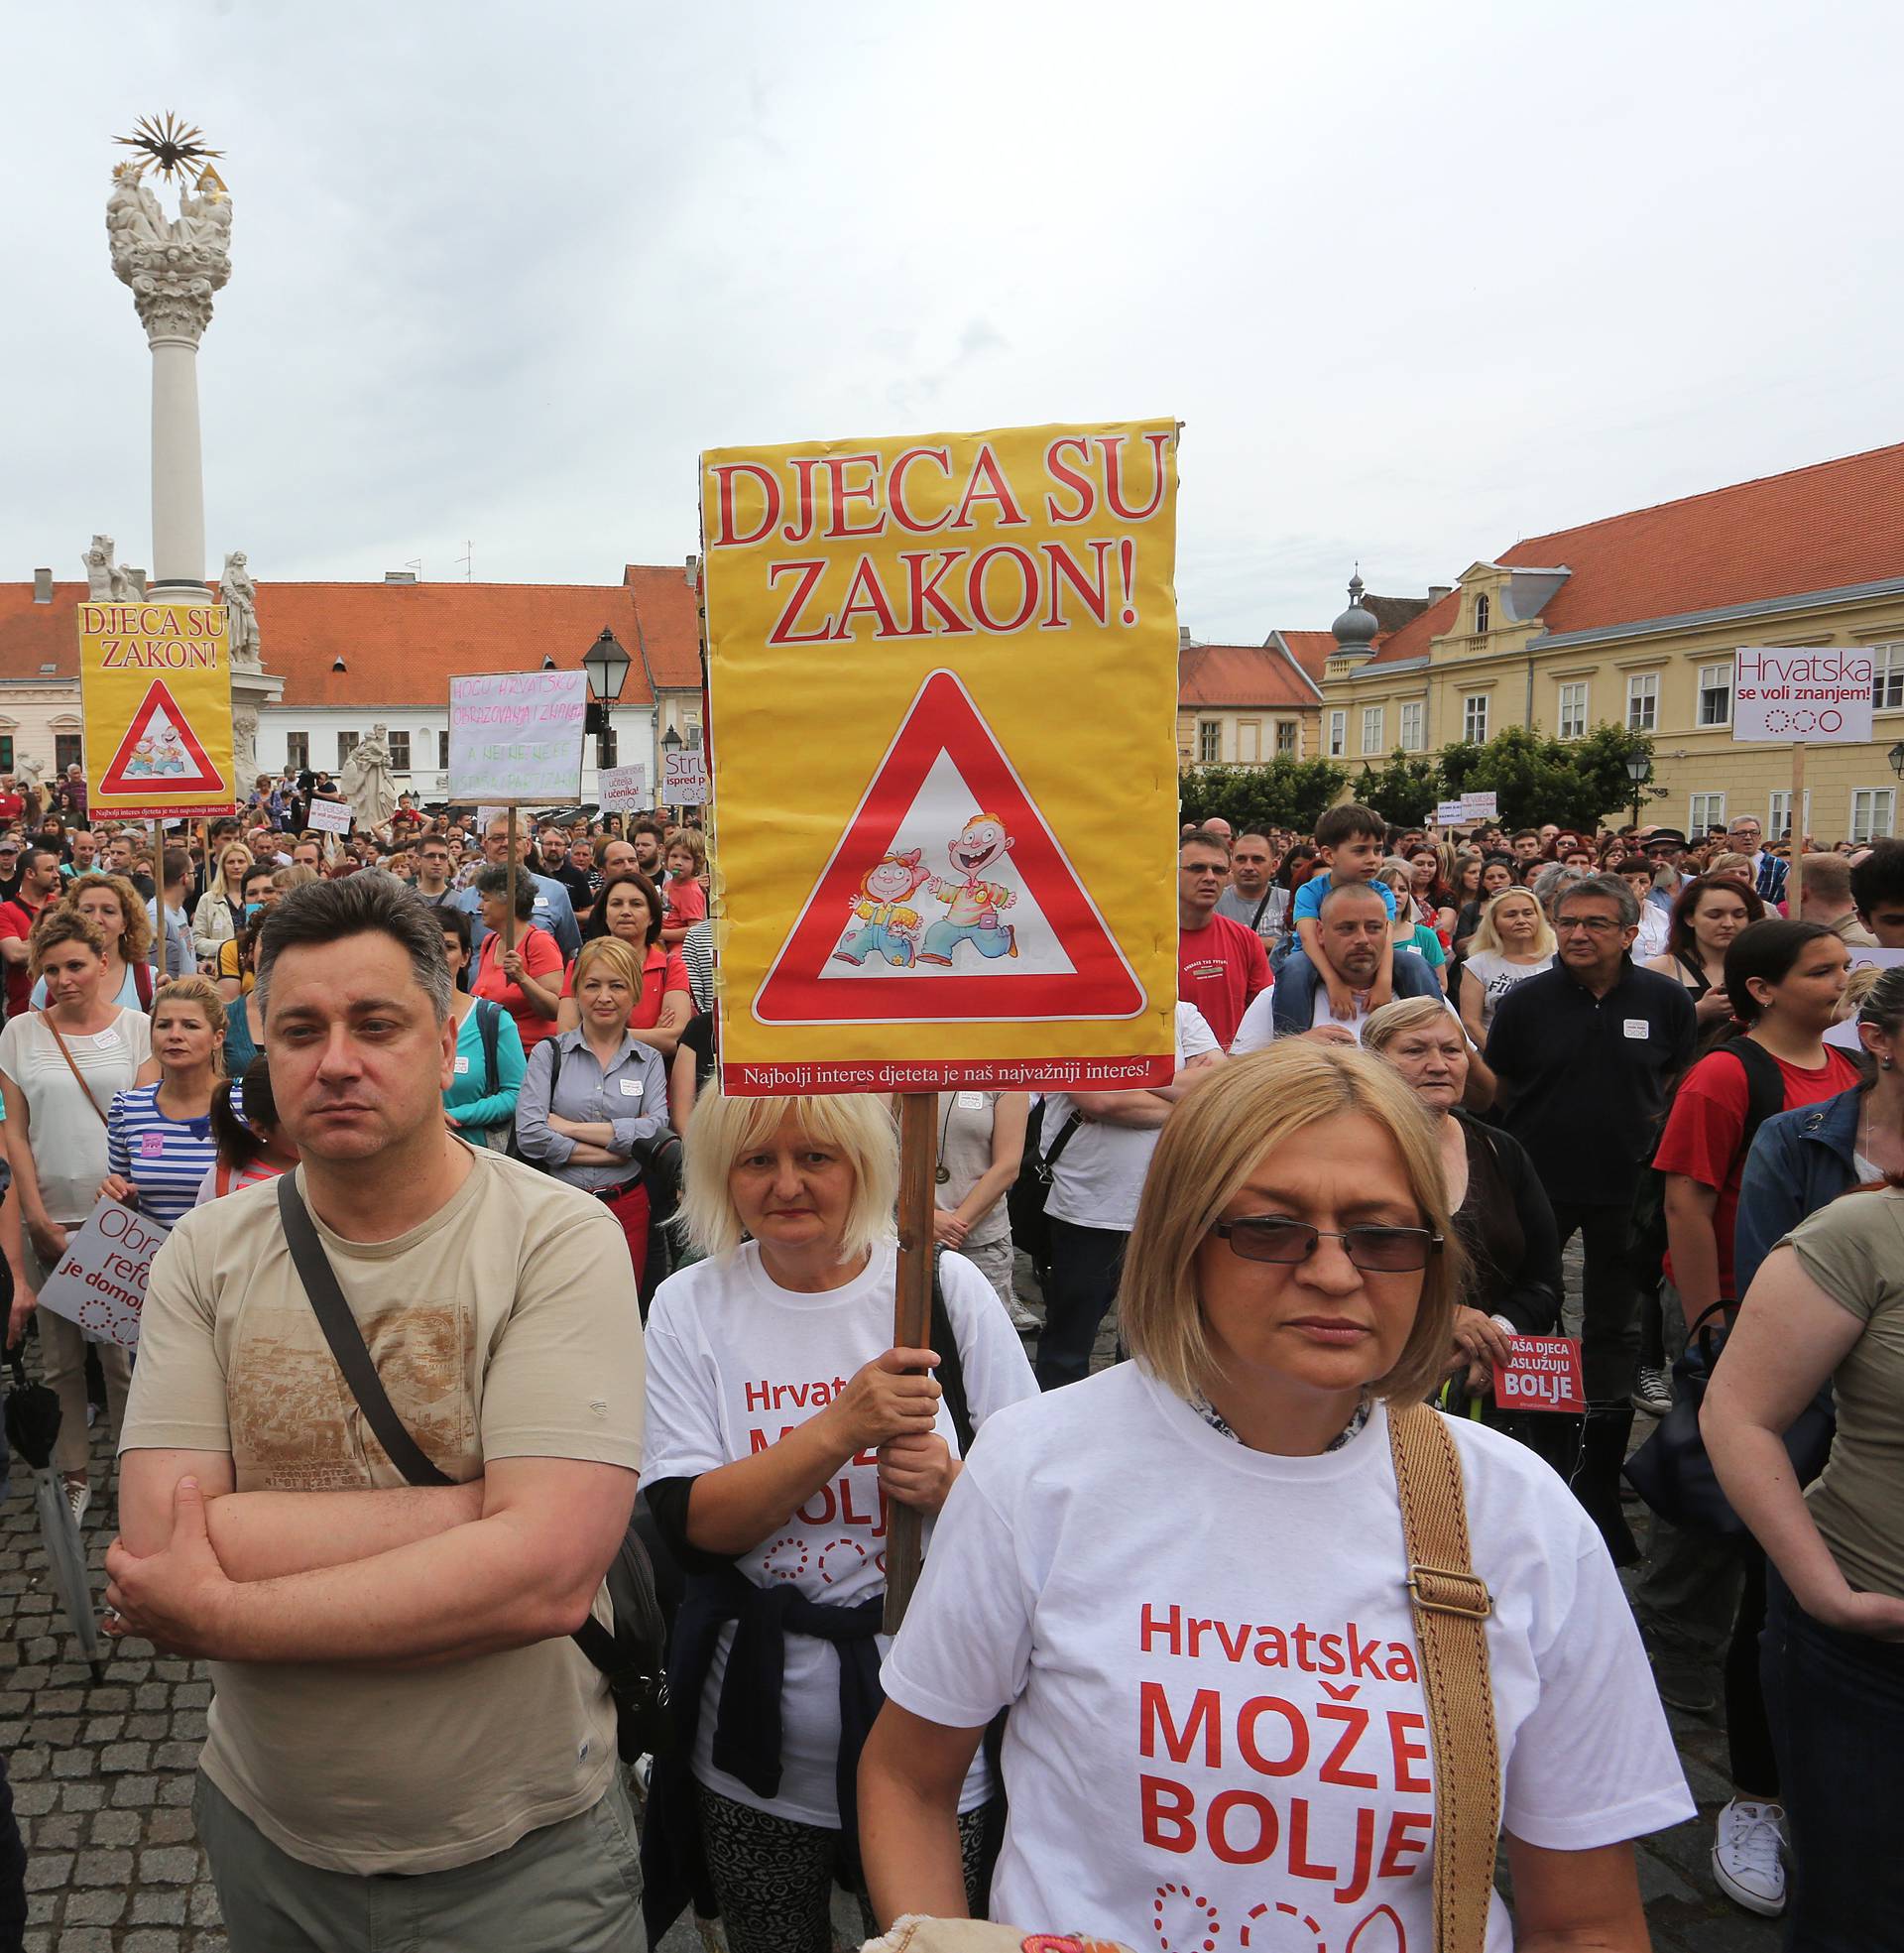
[(435, 866), (1769, 873), (1585, 1054)]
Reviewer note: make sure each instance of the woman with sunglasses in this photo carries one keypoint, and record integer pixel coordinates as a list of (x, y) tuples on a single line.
[(1217, 1702)]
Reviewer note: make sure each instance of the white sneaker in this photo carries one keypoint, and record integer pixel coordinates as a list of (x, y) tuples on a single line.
[(1654, 1392), (78, 1497), (1745, 1857)]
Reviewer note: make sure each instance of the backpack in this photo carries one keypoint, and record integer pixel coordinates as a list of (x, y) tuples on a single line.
[(1764, 1095), (1026, 1198), (142, 984), (488, 1027)]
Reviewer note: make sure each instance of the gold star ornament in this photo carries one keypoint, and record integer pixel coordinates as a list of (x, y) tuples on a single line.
[(171, 147)]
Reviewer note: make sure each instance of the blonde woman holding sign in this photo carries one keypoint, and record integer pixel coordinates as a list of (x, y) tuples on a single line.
[(60, 1070)]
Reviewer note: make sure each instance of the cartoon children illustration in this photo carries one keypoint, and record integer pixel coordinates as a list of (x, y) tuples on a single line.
[(972, 912), (891, 927), (140, 766)]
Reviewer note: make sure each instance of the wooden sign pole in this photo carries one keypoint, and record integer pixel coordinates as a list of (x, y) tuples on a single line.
[(508, 922), (911, 1322), (1795, 881)]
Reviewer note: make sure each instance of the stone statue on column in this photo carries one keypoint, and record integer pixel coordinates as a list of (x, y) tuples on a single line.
[(243, 749), (366, 783), (239, 594), (107, 583), (173, 265)]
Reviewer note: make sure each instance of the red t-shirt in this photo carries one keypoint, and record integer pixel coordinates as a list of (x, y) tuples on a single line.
[(12, 808), (16, 918), (687, 900), (1708, 1120), (1221, 969), (663, 970), (541, 957)]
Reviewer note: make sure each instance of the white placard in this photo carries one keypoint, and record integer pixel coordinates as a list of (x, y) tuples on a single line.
[(330, 816), (621, 789), (1447, 813), (684, 777), (516, 736), (1817, 693), (1479, 807), (99, 1283)]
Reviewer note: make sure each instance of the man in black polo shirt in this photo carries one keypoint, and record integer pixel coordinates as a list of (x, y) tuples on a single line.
[(1586, 1054)]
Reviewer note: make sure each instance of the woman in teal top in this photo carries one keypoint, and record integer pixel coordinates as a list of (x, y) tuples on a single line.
[(1408, 931), (480, 1101), (244, 1027)]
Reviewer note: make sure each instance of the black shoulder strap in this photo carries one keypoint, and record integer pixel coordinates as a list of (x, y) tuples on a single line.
[(346, 1340), (1063, 1139), (1255, 921), (951, 1370), (1764, 1087), (488, 1011)]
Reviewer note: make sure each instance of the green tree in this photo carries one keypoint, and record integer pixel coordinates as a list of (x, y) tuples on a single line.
[(1575, 781), (1283, 792), (1403, 790)]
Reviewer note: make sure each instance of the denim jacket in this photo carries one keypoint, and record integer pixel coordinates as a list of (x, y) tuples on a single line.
[(1800, 1160)]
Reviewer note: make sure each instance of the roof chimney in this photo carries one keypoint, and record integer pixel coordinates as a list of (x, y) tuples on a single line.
[(43, 587), (1436, 592), (400, 576), (694, 572), (1183, 637)]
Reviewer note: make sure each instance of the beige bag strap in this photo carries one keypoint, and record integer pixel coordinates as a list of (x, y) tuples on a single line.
[(78, 1077), (1451, 1605)]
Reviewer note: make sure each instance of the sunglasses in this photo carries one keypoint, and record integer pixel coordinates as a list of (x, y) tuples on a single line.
[(1373, 1250)]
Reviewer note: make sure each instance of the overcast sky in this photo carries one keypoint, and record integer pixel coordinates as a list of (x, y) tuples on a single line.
[(1418, 280)]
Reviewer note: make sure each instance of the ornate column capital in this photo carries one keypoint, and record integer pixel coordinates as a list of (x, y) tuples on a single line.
[(172, 266)]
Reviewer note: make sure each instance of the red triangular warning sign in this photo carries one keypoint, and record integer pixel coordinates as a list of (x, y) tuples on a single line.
[(161, 759), (997, 925)]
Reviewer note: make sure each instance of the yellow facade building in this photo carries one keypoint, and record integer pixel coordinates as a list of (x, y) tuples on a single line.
[(1635, 621)]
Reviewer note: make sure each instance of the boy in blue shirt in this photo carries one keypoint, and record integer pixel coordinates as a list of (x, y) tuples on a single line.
[(1351, 841)]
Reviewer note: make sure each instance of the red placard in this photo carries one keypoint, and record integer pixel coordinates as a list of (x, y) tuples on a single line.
[(1543, 1375)]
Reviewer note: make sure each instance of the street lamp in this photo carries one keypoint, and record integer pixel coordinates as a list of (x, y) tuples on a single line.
[(1639, 769), (607, 667), (1896, 758)]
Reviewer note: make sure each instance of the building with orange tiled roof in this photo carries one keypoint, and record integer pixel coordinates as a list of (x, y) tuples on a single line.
[(356, 655), (1239, 704), (1634, 619)]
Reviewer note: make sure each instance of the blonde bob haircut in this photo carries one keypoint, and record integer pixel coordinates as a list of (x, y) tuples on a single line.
[(613, 952), (1405, 1013), (1205, 1155), (1488, 939), (722, 1131), (202, 995)]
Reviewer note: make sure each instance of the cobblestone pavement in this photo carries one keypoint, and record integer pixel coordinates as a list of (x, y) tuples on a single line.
[(102, 1775)]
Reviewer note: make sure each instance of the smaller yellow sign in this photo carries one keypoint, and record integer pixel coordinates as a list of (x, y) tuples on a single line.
[(155, 689)]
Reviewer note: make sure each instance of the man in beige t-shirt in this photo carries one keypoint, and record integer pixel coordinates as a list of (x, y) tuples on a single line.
[(395, 1687)]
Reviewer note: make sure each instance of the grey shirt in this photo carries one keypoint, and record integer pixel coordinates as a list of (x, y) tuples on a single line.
[(965, 1152), (630, 1095), (1242, 909)]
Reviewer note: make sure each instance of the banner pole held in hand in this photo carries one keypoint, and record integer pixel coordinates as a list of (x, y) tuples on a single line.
[(508, 922), (1795, 879), (911, 1322)]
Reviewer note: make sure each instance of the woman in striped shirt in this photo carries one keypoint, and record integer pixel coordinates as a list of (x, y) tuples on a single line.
[(159, 1142)]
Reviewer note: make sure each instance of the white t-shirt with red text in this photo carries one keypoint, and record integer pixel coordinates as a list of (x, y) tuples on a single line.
[(1218, 1732), (734, 1362)]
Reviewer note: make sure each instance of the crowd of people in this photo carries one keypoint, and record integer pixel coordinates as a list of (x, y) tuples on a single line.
[(1179, 1664)]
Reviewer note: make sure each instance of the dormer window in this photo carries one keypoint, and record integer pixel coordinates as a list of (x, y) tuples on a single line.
[(1481, 609)]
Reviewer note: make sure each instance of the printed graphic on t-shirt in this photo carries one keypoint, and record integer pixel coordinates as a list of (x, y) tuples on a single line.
[(1317, 1702), (840, 1531), (294, 1427)]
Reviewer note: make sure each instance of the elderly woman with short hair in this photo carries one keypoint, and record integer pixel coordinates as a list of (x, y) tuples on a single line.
[(1187, 1578), (780, 1421)]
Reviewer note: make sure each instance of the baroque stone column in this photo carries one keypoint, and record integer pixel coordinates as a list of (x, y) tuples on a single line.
[(173, 267)]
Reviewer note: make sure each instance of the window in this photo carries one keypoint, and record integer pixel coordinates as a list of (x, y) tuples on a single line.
[(1887, 676), (442, 750), (348, 744), (400, 752), (6, 752), (1715, 695), (1338, 734), (1707, 811), (1779, 815), (1873, 813), (1474, 718), (1572, 710), (1411, 713), (66, 751), (1289, 741), (1209, 740), (1482, 611), (1372, 728), (298, 750), (1642, 701)]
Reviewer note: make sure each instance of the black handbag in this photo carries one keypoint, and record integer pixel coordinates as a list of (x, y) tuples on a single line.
[(1025, 1197), (632, 1656), (1673, 1472)]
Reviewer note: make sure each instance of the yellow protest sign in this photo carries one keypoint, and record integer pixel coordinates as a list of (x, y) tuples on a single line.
[(155, 689), (942, 687)]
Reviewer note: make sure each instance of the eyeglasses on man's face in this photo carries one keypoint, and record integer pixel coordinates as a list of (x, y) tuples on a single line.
[(1599, 924), (1372, 1248)]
